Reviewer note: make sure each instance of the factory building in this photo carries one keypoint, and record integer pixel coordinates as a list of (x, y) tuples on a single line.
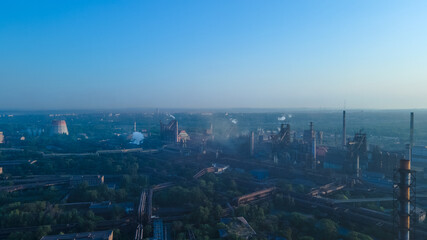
[(419, 154), (158, 230), (59, 127), (334, 159), (357, 153), (169, 132), (359, 144), (101, 235), (384, 162), (309, 135), (309, 139), (285, 134)]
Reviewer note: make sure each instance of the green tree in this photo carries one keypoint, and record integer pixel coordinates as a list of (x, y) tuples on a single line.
[(327, 229), (306, 238), (43, 231), (357, 236), (201, 215)]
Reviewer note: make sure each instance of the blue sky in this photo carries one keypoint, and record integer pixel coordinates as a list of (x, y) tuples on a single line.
[(212, 54)]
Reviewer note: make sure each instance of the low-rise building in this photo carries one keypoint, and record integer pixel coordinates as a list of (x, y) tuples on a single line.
[(158, 230)]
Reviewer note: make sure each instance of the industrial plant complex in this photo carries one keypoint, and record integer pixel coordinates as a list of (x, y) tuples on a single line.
[(216, 175)]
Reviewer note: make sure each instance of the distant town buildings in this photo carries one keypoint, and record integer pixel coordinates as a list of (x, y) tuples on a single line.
[(101, 235), (1, 138), (59, 127)]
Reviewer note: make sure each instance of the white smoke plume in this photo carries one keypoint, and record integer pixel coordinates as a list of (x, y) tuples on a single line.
[(282, 118), (171, 116), (233, 120), (137, 138)]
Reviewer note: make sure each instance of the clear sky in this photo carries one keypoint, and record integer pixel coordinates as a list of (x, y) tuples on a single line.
[(84, 54)]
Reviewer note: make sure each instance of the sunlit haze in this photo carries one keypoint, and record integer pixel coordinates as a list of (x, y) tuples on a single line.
[(213, 54)]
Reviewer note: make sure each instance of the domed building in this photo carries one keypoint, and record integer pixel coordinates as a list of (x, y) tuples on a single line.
[(183, 136)]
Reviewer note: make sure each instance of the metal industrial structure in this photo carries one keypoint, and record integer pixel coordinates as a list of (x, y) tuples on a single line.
[(284, 136), (358, 149), (169, 132), (255, 196), (59, 127), (145, 213), (203, 172), (404, 193), (310, 140), (404, 205)]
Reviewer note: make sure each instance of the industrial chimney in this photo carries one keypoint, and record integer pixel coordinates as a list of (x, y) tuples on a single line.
[(404, 199), (344, 141), (252, 143), (411, 136)]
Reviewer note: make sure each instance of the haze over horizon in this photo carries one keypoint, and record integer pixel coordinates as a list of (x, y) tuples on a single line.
[(213, 54)]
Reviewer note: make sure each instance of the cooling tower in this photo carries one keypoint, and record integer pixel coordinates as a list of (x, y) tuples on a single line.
[(59, 127)]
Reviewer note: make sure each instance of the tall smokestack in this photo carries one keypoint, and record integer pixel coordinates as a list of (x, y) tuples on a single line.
[(344, 141), (404, 199), (357, 167), (313, 146), (411, 136), (313, 153), (252, 143)]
